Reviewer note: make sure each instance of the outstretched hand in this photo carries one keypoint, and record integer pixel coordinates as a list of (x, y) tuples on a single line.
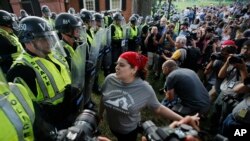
[(190, 120)]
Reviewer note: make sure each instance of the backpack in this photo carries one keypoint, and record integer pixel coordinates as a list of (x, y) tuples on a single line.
[(193, 55)]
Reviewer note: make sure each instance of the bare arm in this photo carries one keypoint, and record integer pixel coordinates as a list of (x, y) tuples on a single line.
[(170, 94), (167, 113), (223, 71)]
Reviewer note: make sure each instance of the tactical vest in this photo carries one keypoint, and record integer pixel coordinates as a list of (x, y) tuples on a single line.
[(51, 22), (16, 113), (14, 41), (50, 81), (118, 32), (68, 48), (106, 21), (90, 38), (133, 32)]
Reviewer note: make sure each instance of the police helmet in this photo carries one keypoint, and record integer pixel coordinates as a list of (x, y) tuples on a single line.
[(23, 13), (32, 27), (46, 11), (6, 19), (98, 17), (66, 22), (86, 16), (133, 20), (136, 15), (117, 16), (72, 11), (148, 19)]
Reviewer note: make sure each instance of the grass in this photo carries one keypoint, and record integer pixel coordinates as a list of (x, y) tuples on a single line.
[(182, 4), (156, 84)]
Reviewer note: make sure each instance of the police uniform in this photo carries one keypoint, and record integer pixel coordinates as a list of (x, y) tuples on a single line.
[(116, 41), (10, 45), (133, 38), (51, 76), (16, 113)]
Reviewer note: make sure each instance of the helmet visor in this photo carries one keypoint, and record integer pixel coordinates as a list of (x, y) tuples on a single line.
[(47, 41), (80, 34)]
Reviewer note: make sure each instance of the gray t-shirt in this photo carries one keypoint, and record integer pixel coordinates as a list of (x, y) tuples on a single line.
[(123, 102), (188, 87)]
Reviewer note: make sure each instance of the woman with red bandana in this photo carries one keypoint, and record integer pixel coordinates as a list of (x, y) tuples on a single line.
[(125, 93)]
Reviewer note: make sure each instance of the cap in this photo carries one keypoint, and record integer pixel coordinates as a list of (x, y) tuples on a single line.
[(228, 43), (135, 59)]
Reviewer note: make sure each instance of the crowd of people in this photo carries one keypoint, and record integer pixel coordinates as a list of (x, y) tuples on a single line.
[(51, 64)]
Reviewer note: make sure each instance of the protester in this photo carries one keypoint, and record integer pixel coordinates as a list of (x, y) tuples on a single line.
[(185, 84), (126, 93)]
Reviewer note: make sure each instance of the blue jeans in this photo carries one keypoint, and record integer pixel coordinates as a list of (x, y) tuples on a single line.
[(171, 103)]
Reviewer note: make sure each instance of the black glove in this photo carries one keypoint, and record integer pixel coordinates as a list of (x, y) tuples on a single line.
[(247, 81), (71, 95)]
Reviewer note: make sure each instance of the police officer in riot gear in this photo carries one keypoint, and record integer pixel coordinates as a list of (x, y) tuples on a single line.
[(73, 36), (71, 31), (47, 15), (87, 18), (99, 27), (116, 39), (11, 47), (133, 34), (17, 112), (45, 72), (91, 58)]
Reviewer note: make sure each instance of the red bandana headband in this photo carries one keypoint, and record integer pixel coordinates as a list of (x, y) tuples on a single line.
[(135, 59)]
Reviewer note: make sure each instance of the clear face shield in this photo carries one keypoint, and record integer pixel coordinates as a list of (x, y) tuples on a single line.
[(98, 24), (47, 42), (15, 25), (47, 14), (79, 34)]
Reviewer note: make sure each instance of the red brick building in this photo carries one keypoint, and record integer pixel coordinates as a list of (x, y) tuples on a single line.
[(33, 7)]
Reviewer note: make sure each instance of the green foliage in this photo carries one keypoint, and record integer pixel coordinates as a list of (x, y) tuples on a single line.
[(182, 4)]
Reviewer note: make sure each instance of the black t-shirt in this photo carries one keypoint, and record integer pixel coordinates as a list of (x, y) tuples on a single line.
[(151, 46)]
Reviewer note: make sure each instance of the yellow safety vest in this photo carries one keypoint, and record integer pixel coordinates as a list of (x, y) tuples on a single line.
[(50, 81), (68, 48), (16, 113), (133, 32), (118, 33), (106, 21), (51, 22), (90, 38), (14, 41)]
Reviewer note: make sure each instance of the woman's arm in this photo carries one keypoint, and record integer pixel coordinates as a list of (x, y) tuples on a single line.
[(167, 113)]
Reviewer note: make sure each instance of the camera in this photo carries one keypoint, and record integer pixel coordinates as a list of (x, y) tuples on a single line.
[(191, 36), (154, 133), (231, 100), (236, 59), (83, 129), (216, 56)]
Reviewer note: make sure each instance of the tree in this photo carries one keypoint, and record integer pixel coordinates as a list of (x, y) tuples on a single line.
[(142, 7)]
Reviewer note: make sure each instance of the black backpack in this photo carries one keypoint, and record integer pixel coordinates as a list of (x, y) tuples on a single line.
[(193, 55)]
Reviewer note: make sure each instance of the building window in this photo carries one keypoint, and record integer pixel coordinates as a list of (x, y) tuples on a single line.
[(89, 4), (116, 4)]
